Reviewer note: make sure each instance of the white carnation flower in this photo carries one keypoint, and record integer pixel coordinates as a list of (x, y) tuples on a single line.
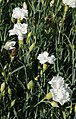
[(43, 58), (60, 91), (20, 30), (70, 3), (16, 13), (61, 95), (20, 13), (57, 82), (9, 45)]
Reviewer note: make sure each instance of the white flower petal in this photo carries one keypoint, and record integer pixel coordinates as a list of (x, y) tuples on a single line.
[(49, 82), (19, 29), (43, 61), (61, 95), (16, 13), (20, 13), (9, 45), (70, 3), (60, 91), (24, 12), (45, 54), (51, 59), (57, 82), (43, 58)]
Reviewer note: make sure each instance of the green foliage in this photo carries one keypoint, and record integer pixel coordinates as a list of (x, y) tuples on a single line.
[(23, 87)]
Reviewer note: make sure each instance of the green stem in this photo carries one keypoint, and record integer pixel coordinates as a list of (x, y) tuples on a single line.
[(73, 63), (64, 115)]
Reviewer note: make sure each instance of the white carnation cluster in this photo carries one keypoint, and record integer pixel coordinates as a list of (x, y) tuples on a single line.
[(60, 91), (19, 29)]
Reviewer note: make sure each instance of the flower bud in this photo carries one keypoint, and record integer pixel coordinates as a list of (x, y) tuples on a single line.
[(54, 104), (13, 102), (48, 96), (2, 86), (36, 78), (1, 1), (75, 109), (66, 8), (5, 67), (44, 67), (3, 93), (9, 91), (30, 85), (42, 2), (3, 74), (31, 47), (25, 5), (29, 35)]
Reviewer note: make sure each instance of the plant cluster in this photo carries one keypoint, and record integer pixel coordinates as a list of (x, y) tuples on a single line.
[(38, 59)]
